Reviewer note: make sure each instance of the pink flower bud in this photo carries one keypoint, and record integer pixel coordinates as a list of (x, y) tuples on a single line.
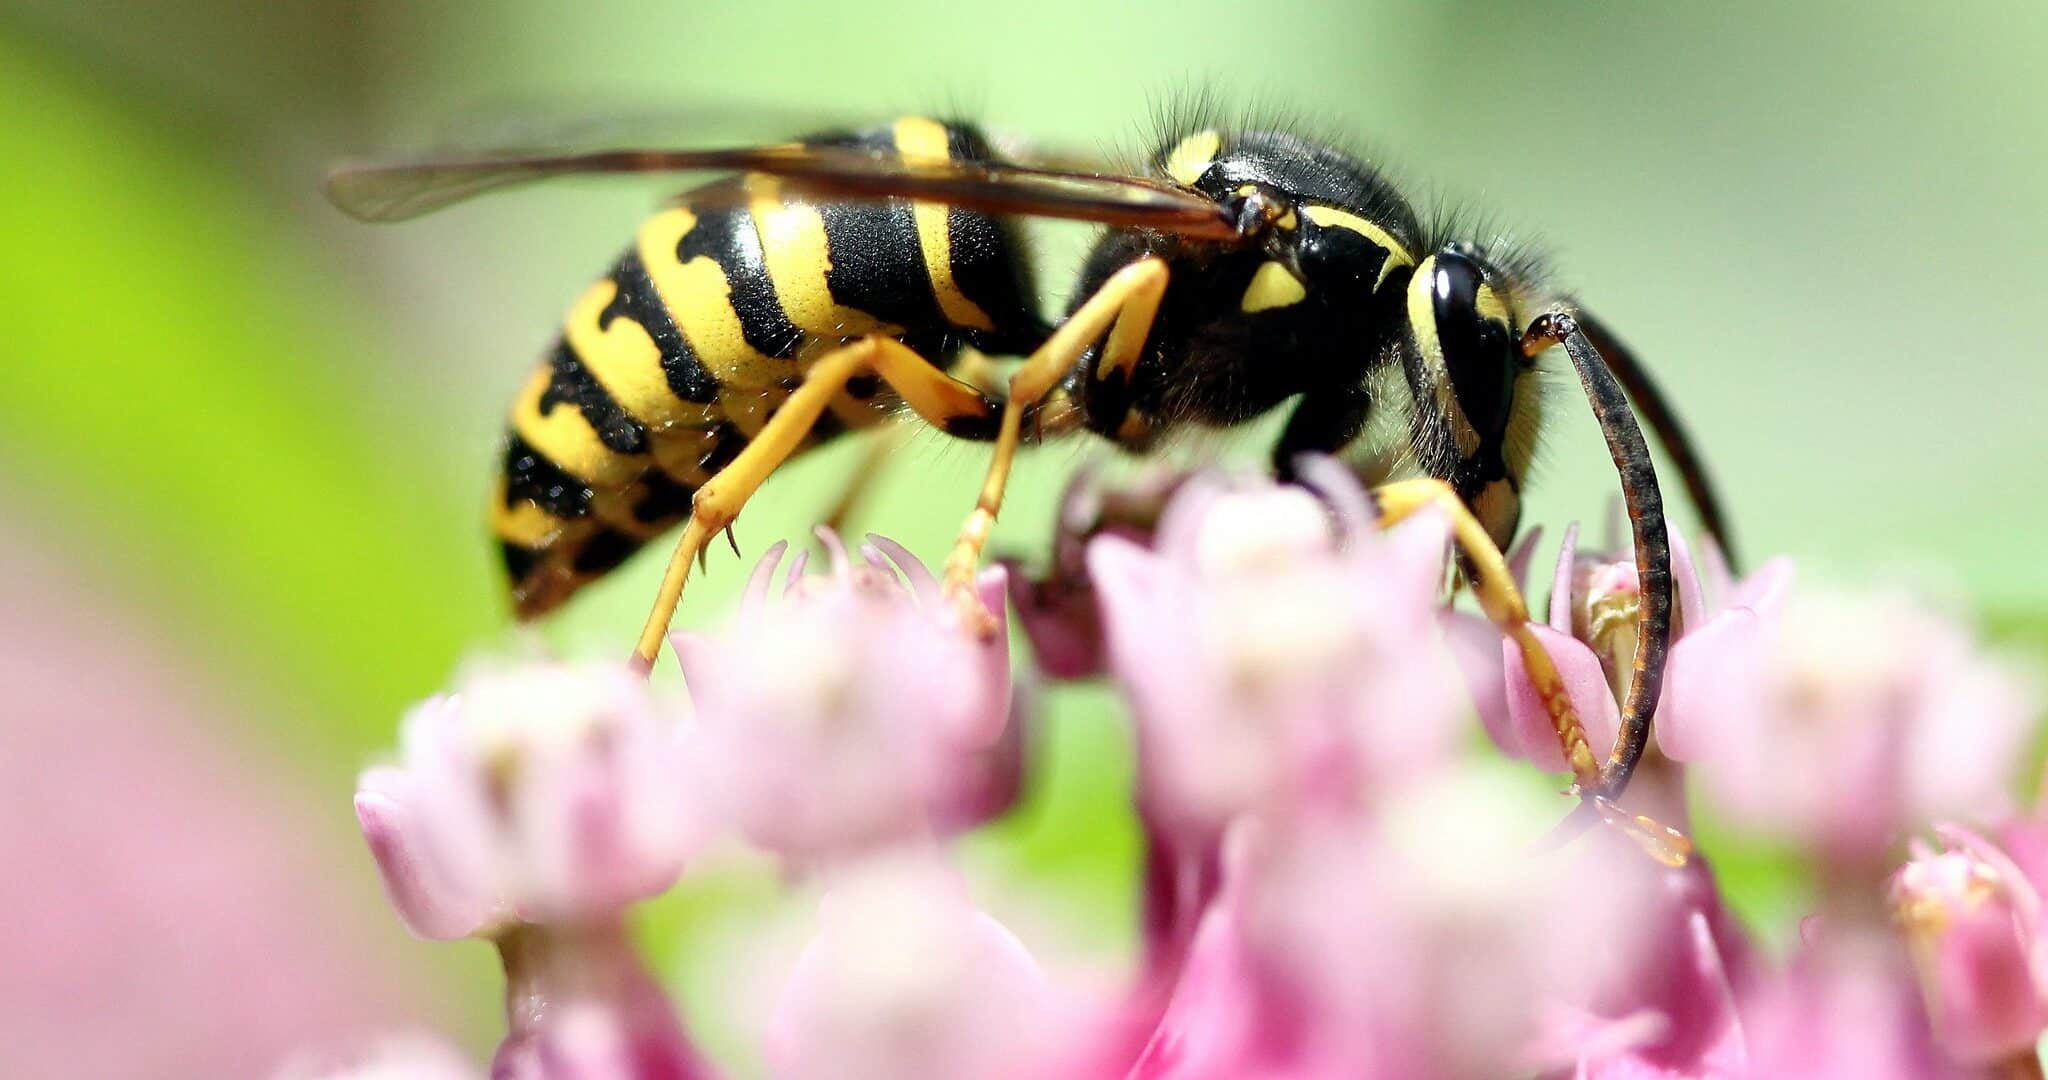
[(1671, 1005), (539, 793), (1973, 922), (855, 711), (1842, 721), (1590, 634), (907, 979), (1848, 1010), (1424, 943), (1272, 656)]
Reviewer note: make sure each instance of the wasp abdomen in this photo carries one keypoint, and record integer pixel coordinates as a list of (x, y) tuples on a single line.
[(669, 364)]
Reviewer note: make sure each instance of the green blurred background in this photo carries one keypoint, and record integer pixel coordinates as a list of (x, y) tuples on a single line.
[(256, 436)]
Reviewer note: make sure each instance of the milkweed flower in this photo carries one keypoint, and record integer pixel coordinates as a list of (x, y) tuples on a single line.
[(1279, 655), (579, 1006), (537, 793), (1673, 1006), (853, 709), (1331, 886), (1847, 1010), (905, 977), (1275, 654), (531, 807), (1842, 721), (1589, 630), (1973, 922), (1424, 942)]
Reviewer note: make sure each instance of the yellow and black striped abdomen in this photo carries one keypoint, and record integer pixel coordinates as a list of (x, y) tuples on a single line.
[(673, 360)]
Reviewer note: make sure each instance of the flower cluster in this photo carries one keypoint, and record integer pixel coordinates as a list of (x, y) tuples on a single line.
[(1335, 883)]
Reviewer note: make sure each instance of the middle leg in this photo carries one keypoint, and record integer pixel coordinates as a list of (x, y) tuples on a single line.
[(1123, 308)]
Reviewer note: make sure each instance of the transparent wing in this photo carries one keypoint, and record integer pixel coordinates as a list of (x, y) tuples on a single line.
[(384, 192)]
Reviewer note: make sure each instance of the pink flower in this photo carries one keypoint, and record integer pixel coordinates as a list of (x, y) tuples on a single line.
[(905, 978), (1973, 921), (1590, 634), (1672, 1006), (543, 793), (1272, 655), (1847, 1011), (855, 711), (1426, 943), (1842, 721)]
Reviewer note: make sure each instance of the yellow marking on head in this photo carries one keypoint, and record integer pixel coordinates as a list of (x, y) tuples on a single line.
[(797, 257), (1271, 287), (623, 358), (1192, 156), (523, 523), (1499, 508), (1289, 220), (1331, 217), (1422, 322), (1491, 306), (565, 437), (700, 300), (922, 140), (1525, 406)]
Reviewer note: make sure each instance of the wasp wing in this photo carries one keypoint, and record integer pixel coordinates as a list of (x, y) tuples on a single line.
[(395, 192)]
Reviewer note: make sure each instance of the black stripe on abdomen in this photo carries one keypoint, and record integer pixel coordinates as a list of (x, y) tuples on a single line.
[(531, 476), (638, 300), (569, 382), (727, 237), (877, 263), (991, 268)]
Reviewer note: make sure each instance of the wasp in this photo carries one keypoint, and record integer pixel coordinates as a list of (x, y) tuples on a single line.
[(836, 281)]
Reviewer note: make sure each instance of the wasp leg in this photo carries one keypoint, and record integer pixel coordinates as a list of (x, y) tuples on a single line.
[(1123, 308), (1494, 587), (945, 402)]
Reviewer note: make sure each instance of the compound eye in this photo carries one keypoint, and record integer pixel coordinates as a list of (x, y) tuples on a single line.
[(1473, 338)]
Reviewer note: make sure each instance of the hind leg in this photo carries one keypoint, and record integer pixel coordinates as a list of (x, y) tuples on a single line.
[(944, 402)]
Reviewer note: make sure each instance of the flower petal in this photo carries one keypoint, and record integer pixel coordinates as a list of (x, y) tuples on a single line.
[(1561, 581), (412, 882), (1529, 734)]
